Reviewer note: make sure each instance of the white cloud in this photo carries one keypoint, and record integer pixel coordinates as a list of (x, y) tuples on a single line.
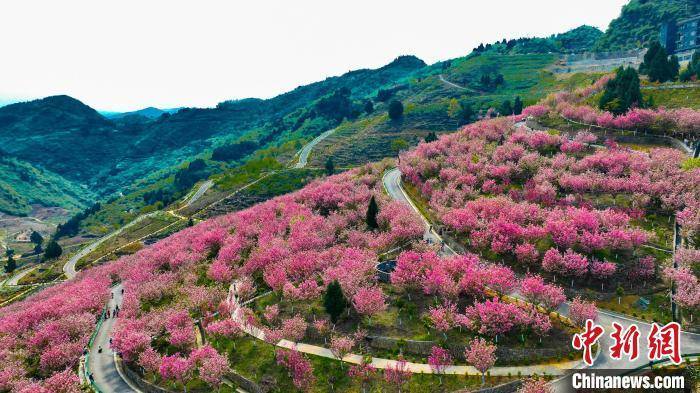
[(124, 55)]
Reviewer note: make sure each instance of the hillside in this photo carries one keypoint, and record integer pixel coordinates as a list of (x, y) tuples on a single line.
[(23, 185), (71, 139), (640, 21)]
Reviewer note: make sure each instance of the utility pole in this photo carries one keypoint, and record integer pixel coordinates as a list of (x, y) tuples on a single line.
[(676, 243)]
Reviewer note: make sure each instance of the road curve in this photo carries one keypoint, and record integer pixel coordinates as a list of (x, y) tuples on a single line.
[(101, 364), (690, 342), (69, 266), (14, 280), (306, 150), (456, 86)]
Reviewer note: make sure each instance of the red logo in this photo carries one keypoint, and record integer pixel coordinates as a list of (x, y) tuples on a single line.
[(665, 342), (585, 341), (626, 342)]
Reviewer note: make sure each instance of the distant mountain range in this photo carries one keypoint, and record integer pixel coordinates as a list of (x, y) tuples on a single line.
[(150, 113)]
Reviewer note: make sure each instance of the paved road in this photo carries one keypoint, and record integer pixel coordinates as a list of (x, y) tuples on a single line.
[(456, 86), (102, 365), (690, 342), (306, 150), (14, 280), (69, 266), (198, 194)]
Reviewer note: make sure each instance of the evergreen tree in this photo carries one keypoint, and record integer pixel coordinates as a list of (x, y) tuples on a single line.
[(36, 238), (467, 113), (53, 250), (657, 65), (369, 107), (10, 265), (506, 108), (334, 301), (517, 106), (190, 222), (431, 137), (372, 211), (330, 166), (622, 92), (691, 71), (395, 110)]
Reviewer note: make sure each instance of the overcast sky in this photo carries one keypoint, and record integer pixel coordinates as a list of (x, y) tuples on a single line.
[(125, 55)]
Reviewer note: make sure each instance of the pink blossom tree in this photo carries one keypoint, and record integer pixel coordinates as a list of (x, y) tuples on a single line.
[(298, 366), (482, 355), (535, 385), (369, 301), (398, 373), (580, 311), (364, 372), (439, 360), (341, 346)]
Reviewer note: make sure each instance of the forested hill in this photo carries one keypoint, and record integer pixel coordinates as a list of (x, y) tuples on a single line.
[(640, 22), (72, 140)]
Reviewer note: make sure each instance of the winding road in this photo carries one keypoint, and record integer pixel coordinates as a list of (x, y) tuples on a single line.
[(690, 342), (101, 364), (306, 150), (456, 86), (69, 266)]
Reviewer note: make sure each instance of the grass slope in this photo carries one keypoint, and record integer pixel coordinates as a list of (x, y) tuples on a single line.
[(23, 185)]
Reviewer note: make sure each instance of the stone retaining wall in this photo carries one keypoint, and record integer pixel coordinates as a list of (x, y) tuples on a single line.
[(422, 348), (147, 387)]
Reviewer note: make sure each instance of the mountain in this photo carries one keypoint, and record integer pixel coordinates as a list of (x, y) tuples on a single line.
[(580, 39), (23, 185), (72, 140), (149, 113), (640, 22)]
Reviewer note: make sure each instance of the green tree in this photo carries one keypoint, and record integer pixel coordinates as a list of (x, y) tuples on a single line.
[(36, 238), (334, 301), (506, 108), (466, 115), (11, 264), (691, 71), (369, 107), (517, 106), (657, 65), (395, 110), (431, 137), (330, 166), (453, 108), (53, 250), (622, 92), (372, 211), (398, 144)]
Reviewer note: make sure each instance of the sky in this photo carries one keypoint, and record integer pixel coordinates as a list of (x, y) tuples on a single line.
[(125, 55)]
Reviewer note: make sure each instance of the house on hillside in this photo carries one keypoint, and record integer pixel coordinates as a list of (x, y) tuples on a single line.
[(682, 37)]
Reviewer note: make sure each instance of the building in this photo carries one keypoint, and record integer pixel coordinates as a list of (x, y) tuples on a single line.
[(682, 37)]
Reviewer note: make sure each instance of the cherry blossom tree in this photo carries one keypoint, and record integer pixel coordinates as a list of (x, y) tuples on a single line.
[(482, 355), (369, 301), (176, 368), (341, 346), (535, 385), (439, 360), (580, 311), (364, 372), (298, 366), (398, 373)]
